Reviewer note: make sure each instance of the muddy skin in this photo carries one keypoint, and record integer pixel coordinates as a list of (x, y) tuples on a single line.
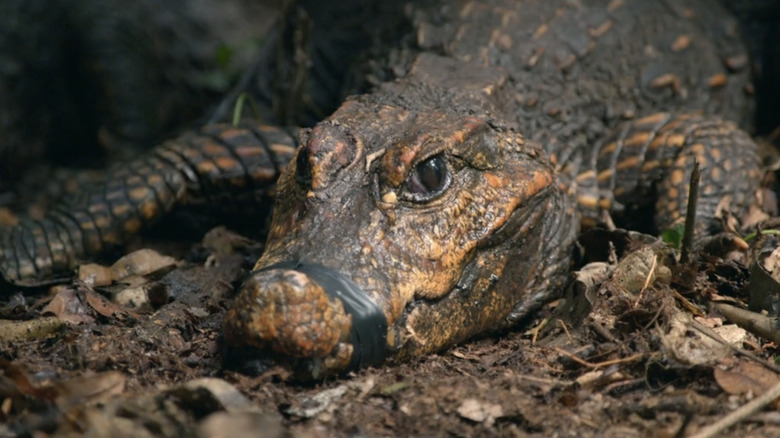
[(429, 196), (439, 262), (445, 203)]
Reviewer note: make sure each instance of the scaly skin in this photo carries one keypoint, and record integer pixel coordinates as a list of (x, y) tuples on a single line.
[(446, 203), (196, 168), (402, 250), (492, 243)]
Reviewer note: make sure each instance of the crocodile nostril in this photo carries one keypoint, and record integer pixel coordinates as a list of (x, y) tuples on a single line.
[(303, 168), (328, 151)]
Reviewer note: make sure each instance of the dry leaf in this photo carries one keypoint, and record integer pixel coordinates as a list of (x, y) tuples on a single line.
[(642, 268), (97, 388), (234, 424), (228, 396), (222, 242), (133, 297), (320, 402), (479, 411), (689, 346), (94, 275), (138, 263), (67, 306), (141, 262), (103, 306), (746, 377)]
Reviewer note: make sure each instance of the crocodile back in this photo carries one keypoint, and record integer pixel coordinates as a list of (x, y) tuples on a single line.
[(578, 69)]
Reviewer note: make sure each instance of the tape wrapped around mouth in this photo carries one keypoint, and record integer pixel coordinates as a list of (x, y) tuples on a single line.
[(368, 334)]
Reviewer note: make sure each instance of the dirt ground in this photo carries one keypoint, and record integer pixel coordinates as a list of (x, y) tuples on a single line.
[(639, 348), (624, 354)]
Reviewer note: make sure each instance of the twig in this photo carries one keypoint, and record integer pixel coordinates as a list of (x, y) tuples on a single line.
[(552, 382), (538, 329), (690, 214), (648, 278), (565, 329), (606, 363), (655, 317), (622, 384), (729, 312), (744, 411)]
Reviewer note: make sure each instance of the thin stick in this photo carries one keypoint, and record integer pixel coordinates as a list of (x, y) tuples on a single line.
[(648, 277), (606, 363), (739, 414), (690, 214), (565, 328), (728, 311)]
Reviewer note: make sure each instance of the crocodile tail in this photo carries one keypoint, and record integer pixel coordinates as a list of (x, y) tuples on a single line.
[(193, 169)]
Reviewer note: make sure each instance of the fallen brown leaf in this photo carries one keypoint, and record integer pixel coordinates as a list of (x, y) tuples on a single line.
[(480, 411), (746, 377)]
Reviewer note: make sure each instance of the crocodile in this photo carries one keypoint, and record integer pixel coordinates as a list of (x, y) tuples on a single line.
[(446, 202)]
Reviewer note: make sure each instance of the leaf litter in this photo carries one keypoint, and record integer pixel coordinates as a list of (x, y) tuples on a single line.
[(625, 352)]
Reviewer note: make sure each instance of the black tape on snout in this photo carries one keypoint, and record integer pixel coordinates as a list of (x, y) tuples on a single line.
[(368, 335)]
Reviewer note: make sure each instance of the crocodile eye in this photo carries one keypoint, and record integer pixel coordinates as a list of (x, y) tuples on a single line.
[(428, 179)]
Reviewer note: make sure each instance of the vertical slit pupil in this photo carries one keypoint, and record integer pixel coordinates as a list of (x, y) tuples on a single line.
[(431, 174)]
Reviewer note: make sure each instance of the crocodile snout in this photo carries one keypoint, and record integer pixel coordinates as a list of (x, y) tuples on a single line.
[(309, 311)]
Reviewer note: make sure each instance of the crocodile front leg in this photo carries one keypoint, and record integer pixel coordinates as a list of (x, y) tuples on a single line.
[(649, 160), (219, 163)]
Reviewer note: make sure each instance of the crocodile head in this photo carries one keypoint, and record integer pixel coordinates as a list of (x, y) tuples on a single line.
[(401, 232)]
